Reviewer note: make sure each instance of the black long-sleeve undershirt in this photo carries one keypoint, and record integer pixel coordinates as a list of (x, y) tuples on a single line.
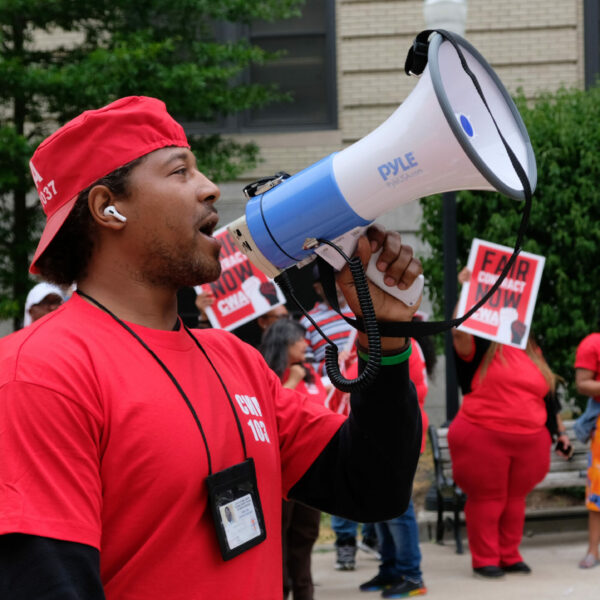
[(365, 473), (39, 568)]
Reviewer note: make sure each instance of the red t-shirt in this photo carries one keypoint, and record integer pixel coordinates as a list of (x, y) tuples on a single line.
[(510, 397), (99, 448), (418, 375), (315, 390), (588, 356)]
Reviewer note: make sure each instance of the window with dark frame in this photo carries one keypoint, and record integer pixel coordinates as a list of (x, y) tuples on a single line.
[(306, 69)]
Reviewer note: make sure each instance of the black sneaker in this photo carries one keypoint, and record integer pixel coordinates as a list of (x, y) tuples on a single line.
[(519, 568), (490, 572), (345, 557), (405, 589), (378, 583)]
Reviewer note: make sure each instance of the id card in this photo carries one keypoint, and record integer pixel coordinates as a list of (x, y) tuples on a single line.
[(236, 509)]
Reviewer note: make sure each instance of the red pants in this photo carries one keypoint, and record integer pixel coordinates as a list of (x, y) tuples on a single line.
[(496, 470)]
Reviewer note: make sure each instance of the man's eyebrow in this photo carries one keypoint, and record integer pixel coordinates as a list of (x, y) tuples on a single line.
[(185, 156)]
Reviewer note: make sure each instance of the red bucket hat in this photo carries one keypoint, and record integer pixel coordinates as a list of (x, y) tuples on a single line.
[(90, 147)]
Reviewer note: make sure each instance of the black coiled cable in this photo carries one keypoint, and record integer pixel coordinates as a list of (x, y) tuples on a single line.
[(373, 365), (371, 328)]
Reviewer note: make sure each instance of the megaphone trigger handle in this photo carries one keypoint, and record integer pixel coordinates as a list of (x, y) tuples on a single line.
[(409, 296)]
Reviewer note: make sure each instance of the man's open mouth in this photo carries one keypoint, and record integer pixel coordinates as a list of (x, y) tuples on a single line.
[(208, 226)]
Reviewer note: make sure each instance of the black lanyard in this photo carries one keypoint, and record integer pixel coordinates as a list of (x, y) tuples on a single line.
[(174, 379)]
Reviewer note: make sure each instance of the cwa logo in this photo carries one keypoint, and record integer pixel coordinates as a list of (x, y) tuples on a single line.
[(249, 405), (399, 164)]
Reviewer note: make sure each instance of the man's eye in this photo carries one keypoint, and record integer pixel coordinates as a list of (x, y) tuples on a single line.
[(181, 171)]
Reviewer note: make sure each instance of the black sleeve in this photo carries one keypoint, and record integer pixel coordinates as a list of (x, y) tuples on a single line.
[(366, 471), (552, 409), (34, 567), (465, 370)]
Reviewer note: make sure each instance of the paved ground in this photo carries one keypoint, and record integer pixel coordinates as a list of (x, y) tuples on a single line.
[(553, 558)]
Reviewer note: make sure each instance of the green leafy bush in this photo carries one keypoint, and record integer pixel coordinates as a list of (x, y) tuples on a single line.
[(112, 49)]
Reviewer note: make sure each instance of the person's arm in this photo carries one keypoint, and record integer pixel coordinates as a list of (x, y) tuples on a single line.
[(365, 472), (204, 300), (400, 269), (462, 341), (34, 567), (296, 374), (586, 383), (564, 448)]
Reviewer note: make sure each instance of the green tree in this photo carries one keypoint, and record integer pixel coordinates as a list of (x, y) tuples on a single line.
[(564, 226), (156, 48)]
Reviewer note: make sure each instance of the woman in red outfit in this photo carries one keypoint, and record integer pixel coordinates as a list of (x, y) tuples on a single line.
[(284, 347), (499, 443)]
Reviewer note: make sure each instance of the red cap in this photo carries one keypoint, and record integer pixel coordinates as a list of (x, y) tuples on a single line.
[(91, 146)]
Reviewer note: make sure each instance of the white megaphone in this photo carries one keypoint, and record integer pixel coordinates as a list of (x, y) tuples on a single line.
[(442, 138)]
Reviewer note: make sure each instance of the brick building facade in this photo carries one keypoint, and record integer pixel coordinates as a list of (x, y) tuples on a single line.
[(535, 46)]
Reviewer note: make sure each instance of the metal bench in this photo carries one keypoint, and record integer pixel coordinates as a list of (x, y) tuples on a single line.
[(450, 498)]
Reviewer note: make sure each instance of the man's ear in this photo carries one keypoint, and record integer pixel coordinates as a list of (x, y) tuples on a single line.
[(99, 199)]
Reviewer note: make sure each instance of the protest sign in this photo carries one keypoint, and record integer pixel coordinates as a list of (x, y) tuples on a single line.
[(242, 292), (506, 316)]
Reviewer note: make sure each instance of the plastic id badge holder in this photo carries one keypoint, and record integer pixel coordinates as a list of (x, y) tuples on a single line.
[(236, 508)]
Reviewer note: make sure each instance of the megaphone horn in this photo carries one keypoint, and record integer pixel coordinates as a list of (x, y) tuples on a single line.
[(441, 138)]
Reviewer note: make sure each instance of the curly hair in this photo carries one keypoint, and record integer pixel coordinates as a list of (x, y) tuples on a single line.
[(66, 258)]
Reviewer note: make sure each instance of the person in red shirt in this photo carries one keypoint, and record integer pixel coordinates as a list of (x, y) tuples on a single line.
[(499, 444), (141, 459), (284, 348), (587, 379)]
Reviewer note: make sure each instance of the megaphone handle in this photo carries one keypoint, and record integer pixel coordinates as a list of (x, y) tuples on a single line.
[(409, 296)]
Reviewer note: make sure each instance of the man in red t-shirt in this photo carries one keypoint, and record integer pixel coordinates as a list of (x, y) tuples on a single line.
[(141, 459)]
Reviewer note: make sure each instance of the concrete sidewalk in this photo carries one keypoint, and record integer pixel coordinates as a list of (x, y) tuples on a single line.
[(552, 557)]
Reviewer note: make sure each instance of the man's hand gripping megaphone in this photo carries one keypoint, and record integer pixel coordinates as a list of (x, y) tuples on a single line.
[(399, 269)]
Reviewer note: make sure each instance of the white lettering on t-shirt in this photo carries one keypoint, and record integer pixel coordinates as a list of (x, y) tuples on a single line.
[(259, 430), (249, 405), (241, 400)]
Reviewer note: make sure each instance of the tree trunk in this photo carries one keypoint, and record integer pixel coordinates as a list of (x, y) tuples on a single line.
[(18, 251)]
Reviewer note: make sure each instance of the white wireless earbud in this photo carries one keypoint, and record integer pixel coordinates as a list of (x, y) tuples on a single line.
[(111, 210)]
